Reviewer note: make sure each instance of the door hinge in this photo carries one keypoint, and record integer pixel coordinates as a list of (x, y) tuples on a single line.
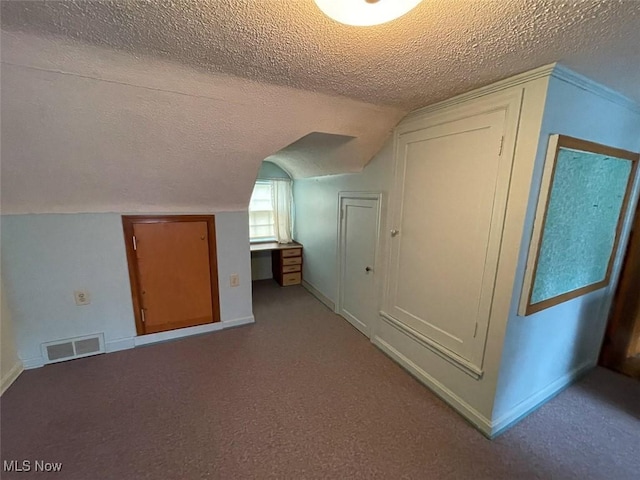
[(475, 331), (135, 244), (143, 318), (501, 145)]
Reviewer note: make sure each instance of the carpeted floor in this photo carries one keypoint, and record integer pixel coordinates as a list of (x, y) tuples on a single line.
[(300, 394)]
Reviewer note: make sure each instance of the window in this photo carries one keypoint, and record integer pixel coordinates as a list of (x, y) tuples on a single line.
[(261, 217), (270, 211)]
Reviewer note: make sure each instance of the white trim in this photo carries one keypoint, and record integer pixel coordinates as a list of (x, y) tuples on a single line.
[(540, 72), (569, 76), (551, 70), (132, 342), (319, 295), (11, 376), (72, 340), (119, 344), (463, 408), (187, 332), (536, 233), (443, 352), (489, 428), (33, 362), (539, 398), (268, 179)]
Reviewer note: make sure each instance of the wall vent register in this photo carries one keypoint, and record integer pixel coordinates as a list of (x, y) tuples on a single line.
[(70, 348)]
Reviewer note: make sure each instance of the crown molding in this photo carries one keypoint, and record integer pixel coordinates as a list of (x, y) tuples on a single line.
[(535, 74), (566, 75), (551, 70)]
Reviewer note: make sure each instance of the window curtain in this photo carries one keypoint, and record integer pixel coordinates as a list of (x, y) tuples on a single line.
[(282, 198)]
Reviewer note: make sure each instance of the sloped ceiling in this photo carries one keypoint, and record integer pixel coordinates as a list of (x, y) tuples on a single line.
[(171, 106), (316, 152), (86, 129)]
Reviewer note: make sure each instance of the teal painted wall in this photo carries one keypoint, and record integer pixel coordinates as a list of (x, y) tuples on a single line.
[(46, 257), (271, 170), (545, 349), (316, 221)]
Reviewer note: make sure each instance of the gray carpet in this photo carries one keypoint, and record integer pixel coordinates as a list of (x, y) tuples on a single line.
[(300, 394)]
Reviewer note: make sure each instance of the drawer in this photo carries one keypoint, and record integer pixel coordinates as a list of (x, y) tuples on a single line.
[(291, 279), (291, 268), (292, 261), (291, 252)]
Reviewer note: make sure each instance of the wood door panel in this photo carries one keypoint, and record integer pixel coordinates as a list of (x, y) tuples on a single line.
[(622, 338), (173, 263), (173, 271)]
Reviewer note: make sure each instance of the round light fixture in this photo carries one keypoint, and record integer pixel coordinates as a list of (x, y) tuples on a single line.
[(362, 13)]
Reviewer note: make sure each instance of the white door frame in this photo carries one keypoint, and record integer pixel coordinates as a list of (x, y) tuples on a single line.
[(377, 196)]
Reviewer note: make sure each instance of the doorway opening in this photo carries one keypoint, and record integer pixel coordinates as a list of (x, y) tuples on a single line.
[(172, 270)]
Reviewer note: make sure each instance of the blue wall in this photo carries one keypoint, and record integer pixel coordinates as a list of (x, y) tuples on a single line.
[(316, 216), (46, 257), (546, 350), (269, 170)]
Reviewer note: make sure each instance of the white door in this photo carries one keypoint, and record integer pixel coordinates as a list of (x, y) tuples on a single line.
[(449, 208), (357, 299)]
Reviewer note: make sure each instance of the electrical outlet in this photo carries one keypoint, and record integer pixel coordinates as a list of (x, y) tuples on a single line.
[(82, 297), (234, 280)]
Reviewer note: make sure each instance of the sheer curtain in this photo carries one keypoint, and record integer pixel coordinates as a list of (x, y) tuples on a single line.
[(281, 198)]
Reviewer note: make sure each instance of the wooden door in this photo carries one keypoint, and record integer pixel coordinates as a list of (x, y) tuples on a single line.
[(173, 271), (621, 347), (451, 186), (357, 298)]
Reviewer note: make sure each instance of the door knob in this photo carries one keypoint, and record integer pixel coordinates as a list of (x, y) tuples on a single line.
[(394, 232), (368, 269)]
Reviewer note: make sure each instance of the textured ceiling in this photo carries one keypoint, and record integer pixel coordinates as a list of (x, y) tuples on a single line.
[(442, 48), (134, 106), (89, 129), (307, 155)]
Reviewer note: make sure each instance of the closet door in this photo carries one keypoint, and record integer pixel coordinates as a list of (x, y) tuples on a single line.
[(173, 271), (450, 195)]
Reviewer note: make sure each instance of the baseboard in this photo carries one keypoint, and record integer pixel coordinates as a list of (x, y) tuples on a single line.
[(11, 376), (319, 295), (463, 408), (131, 342), (119, 344), (538, 399), (187, 332), (34, 362)]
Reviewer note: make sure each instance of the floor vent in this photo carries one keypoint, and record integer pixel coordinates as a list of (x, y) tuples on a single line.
[(70, 348)]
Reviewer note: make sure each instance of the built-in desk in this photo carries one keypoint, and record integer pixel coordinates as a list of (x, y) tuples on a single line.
[(286, 261)]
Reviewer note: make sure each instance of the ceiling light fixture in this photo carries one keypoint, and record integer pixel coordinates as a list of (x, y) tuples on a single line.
[(362, 13)]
